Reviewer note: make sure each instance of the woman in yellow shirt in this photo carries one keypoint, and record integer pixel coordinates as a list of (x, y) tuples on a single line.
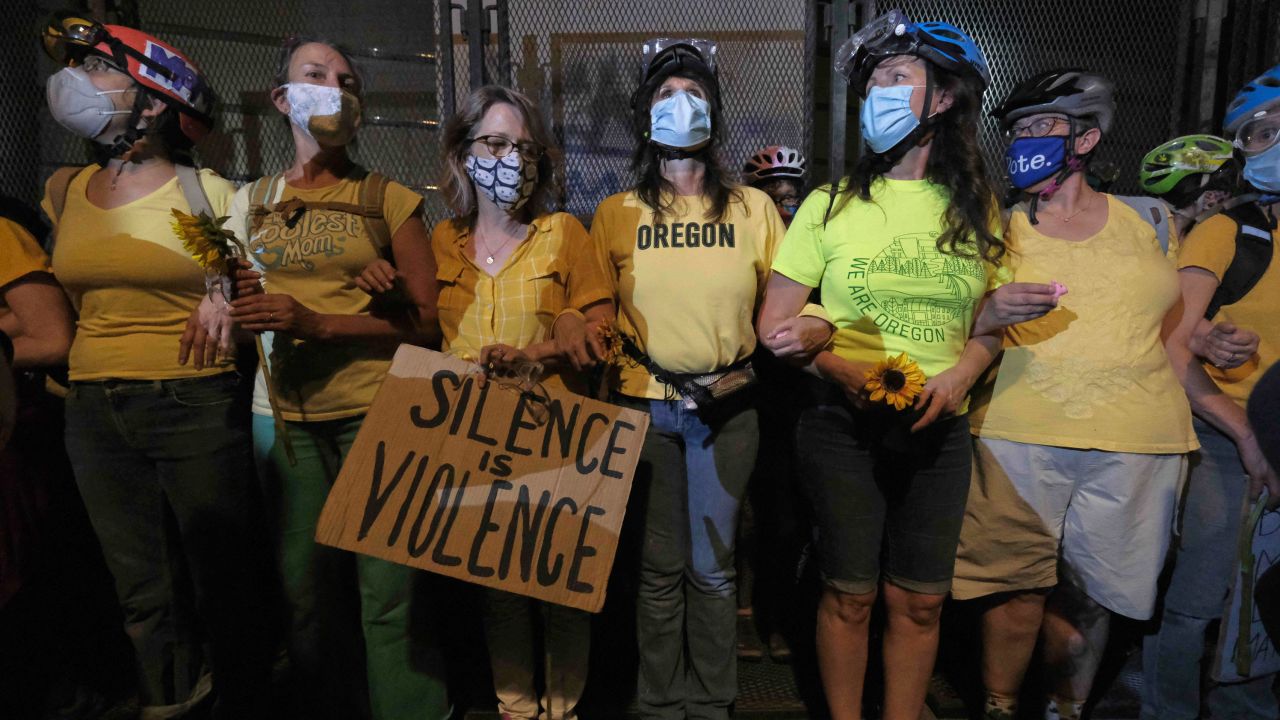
[(1080, 446), (905, 251), (517, 283), (161, 452), (310, 231), (689, 252)]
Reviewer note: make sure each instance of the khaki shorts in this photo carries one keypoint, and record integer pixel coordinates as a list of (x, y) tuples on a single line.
[(1102, 519)]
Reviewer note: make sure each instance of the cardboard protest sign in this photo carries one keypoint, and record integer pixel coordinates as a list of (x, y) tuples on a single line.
[(1244, 650), (520, 490)]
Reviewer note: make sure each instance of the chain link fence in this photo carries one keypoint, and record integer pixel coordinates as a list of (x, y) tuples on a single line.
[(581, 62), (1135, 43), (1175, 63)]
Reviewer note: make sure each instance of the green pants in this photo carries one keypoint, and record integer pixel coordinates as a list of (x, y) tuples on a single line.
[(333, 592)]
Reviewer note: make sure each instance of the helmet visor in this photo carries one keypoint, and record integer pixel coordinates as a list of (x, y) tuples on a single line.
[(1260, 133), (704, 49), (886, 35), (68, 37)]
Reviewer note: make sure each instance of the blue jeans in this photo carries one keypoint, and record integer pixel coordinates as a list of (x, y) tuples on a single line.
[(165, 468), (694, 475), (1203, 561)]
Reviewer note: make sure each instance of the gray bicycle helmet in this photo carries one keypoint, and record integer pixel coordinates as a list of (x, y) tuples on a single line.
[(1074, 93)]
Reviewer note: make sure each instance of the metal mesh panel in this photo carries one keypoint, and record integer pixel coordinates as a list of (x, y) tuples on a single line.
[(21, 96), (581, 61), (1134, 43)]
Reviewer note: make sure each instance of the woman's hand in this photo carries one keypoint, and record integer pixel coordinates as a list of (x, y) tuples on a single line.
[(1015, 303), (1261, 474), (798, 337), (248, 281), (502, 359), (942, 396), (377, 277), (277, 312), (1223, 344), (577, 341), (849, 376), (207, 336)]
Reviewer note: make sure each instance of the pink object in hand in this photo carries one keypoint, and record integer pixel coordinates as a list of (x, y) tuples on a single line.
[(1058, 290)]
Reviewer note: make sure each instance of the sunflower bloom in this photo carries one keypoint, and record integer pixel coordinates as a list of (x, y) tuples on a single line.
[(209, 244), (895, 381)]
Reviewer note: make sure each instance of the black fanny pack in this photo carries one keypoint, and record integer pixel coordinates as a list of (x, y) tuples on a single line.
[(702, 392)]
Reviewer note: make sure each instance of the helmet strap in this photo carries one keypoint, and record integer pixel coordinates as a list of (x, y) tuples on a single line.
[(1073, 165), (123, 146)]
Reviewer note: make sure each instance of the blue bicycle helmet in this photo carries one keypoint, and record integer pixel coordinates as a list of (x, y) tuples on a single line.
[(893, 33), (1262, 90)]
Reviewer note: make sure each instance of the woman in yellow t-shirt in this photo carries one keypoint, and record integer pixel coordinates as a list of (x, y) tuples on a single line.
[(161, 452), (518, 285), (689, 251), (310, 231), (905, 251), (1080, 445)]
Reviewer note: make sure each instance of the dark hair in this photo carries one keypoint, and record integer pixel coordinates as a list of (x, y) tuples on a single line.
[(455, 184), (768, 185), (646, 160), (956, 163), (165, 131)]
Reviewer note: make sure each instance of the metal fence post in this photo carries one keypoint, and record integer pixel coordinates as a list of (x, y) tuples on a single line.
[(840, 19), (476, 37), (444, 59)]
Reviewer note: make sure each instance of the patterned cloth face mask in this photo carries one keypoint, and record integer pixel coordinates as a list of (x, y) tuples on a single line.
[(508, 181), (328, 114)]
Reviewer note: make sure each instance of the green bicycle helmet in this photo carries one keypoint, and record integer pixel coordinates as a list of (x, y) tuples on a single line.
[(1182, 170)]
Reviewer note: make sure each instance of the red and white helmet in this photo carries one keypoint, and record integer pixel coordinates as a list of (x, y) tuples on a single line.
[(157, 66), (773, 163)]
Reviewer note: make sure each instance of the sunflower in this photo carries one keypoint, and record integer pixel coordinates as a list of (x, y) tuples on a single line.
[(895, 381), (209, 243)]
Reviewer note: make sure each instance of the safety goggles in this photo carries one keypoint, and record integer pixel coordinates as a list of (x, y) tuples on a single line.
[(672, 50), (889, 34), (1260, 133), (69, 37)]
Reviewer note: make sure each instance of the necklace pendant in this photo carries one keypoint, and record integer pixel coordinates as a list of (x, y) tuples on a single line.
[(488, 260)]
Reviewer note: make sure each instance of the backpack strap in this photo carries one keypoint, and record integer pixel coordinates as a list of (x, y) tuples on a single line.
[(264, 199), (193, 190), (373, 192), (1154, 212), (261, 194), (1253, 253)]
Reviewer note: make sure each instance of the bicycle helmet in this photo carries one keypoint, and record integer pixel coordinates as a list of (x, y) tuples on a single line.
[(664, 57), (158, 67), (893, 33), (773, 163), (1190, 155), (1257, 94), (1075, 93)]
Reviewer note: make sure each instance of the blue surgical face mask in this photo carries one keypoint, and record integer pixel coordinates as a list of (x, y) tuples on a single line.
[(1034, 159), (887, 116), (680, 121), (1263, 170)]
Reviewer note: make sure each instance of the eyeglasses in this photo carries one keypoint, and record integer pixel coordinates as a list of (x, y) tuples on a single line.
[(1259, 134), (1040, 127), (500, 146)]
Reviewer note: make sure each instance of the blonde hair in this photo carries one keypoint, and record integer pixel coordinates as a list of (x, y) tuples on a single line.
[(455, 184)]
